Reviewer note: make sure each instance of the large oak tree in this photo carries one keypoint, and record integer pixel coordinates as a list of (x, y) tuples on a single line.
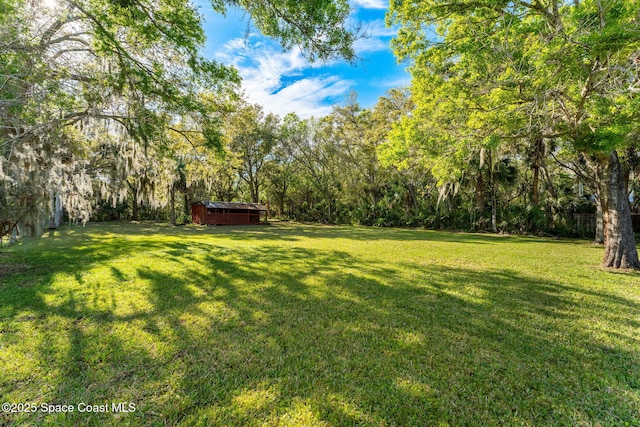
[(71, 69), (489, 72)]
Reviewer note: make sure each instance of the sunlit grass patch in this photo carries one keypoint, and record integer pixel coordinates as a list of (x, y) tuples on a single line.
[(317, 325)]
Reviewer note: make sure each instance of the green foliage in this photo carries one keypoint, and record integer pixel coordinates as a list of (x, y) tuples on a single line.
[(118, 76), (501, 69), (319, 27)]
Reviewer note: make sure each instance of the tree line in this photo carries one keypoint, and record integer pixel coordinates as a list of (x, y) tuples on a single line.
[(519, 115), (93, 93), (349, 168)]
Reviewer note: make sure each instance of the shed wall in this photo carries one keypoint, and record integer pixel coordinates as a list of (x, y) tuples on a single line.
[(232, 217), (200, 214)]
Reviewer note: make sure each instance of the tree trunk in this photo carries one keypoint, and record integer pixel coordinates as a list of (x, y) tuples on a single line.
[(58, 211), (253, 189), (480, 200), (256, 195), (172, 204), (134, 201), (494, 205), (494, 212), (535, 194), (283, 199), (538, 147), (413, 198), (134, 214), (619, 243), (599, 239)]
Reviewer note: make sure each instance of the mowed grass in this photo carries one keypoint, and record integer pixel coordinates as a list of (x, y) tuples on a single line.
[(316, 326)]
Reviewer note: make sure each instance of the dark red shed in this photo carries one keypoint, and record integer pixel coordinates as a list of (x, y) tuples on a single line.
[(227, 213)]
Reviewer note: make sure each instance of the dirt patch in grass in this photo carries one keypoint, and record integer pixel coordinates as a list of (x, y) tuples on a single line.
[(10, 269)]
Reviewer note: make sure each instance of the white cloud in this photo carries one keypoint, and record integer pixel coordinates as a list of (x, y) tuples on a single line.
[(378, 28), (392, 82), (370, 4), (369, 45), (304, 97), (277, 80)]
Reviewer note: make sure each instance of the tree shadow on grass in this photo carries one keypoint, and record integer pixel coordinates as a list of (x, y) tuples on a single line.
[(292, 232), (218, 335)]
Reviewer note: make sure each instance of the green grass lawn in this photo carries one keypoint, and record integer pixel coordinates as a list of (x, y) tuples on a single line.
[(316, 325)]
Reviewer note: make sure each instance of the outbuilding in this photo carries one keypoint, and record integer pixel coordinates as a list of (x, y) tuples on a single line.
[(227, 213)]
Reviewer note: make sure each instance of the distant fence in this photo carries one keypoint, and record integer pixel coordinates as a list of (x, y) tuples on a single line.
[(587, 222)]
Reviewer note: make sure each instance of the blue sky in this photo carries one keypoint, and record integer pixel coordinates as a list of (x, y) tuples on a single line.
[(284, 81)]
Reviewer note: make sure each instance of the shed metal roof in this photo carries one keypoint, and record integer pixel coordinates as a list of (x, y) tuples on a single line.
[(232, 205)]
